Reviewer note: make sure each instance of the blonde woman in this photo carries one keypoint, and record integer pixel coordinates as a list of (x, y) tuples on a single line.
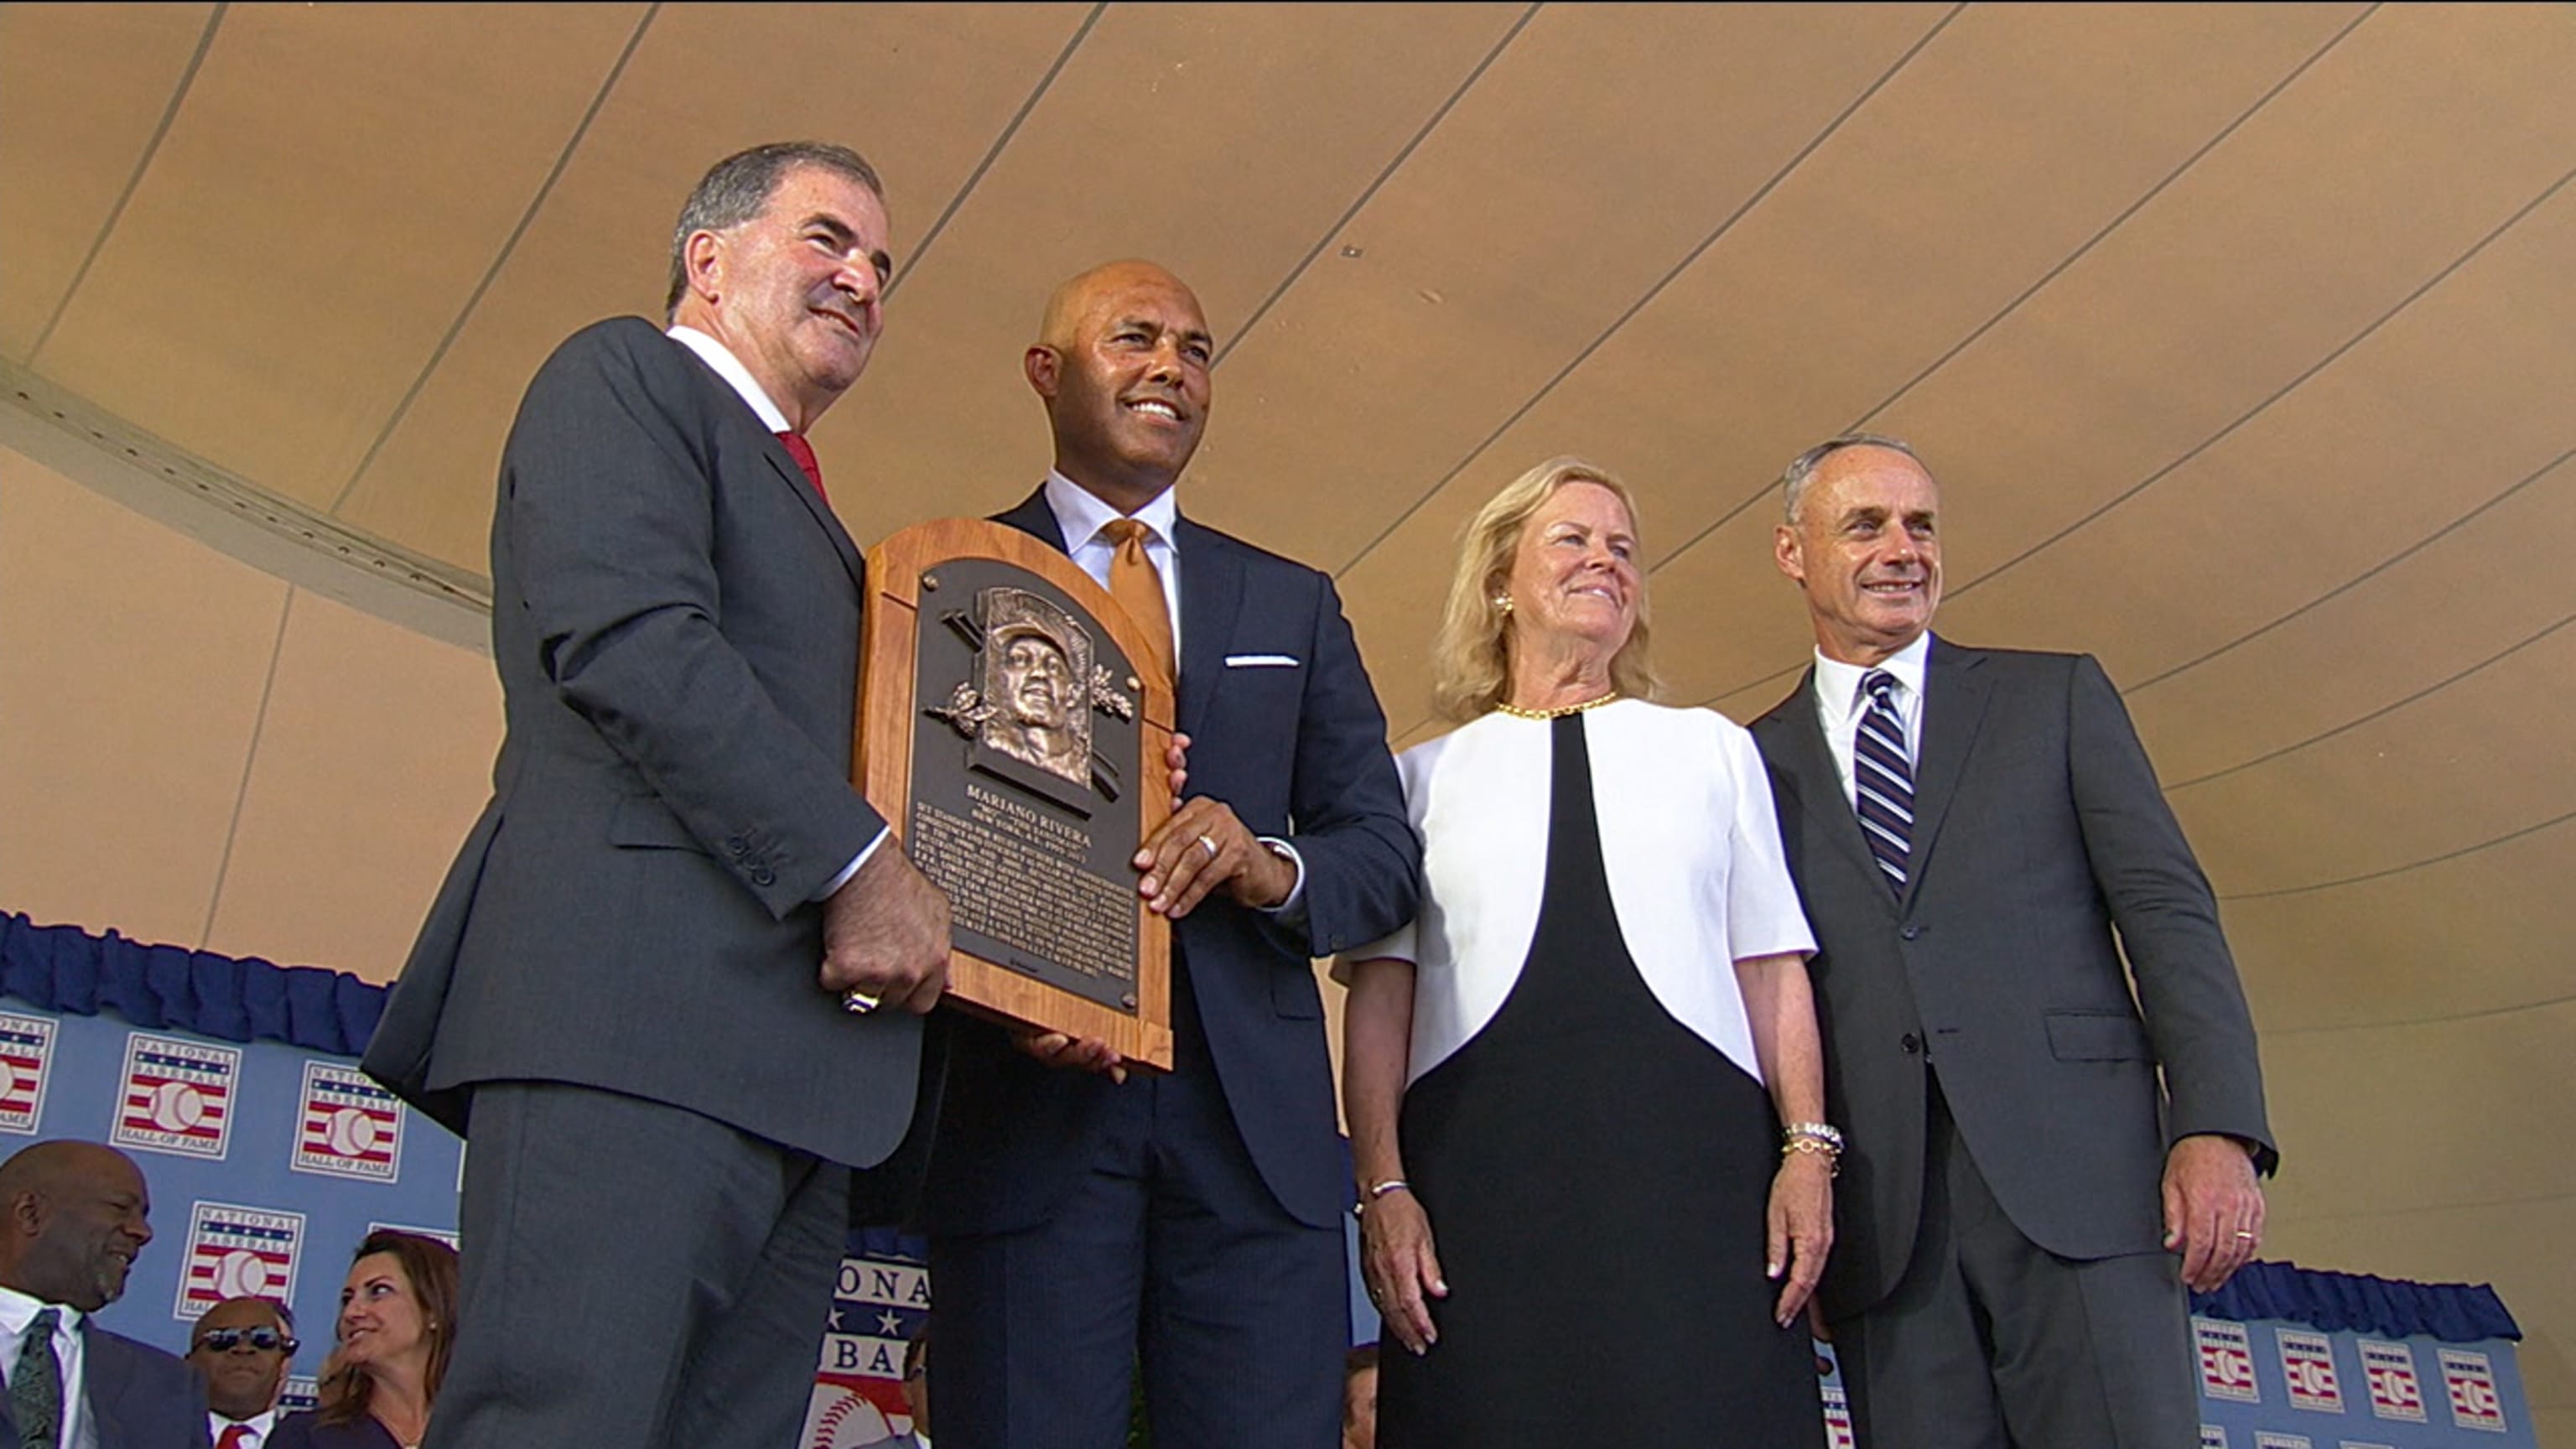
[(1567, 1080)]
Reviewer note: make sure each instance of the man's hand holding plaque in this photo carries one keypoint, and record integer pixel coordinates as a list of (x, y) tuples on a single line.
[(1203, 846), (885, 937)]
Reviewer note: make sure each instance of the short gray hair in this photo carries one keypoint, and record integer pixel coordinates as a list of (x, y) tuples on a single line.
[(1802, 469), (738, 188)]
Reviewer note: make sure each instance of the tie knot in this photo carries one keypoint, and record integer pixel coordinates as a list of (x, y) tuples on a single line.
[(803, 452), (42, 1325), (1124, 531), (1880, 685)]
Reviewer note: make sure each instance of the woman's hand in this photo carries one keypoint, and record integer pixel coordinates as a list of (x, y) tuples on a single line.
[(1402, 1268), (1801, 1228)]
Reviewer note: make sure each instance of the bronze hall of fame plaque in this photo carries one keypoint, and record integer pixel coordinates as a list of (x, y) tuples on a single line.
[(1012, 727)]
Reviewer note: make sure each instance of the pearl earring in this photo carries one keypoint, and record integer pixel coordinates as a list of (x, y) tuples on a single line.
[(1503, 602)]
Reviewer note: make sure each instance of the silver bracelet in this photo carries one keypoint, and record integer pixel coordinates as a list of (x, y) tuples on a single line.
[(1379, 1190)]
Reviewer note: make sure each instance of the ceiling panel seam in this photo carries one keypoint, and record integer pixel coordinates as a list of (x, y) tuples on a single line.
[(2272, 1032), (1000, 144), (2053, 273), (2260, 408), (1298, 272), (2413, 865), (2357, 580), (509, 245), (2293, 385), (116, 213), (1651, 293), (250, 763), (2427, 692)]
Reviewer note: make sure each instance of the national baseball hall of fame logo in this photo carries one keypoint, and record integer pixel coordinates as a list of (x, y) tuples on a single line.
[(177, 1096), (26, 1065), (238, 1252), (348, 1126)]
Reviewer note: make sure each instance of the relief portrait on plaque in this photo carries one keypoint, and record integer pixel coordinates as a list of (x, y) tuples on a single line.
[(1004, 724)]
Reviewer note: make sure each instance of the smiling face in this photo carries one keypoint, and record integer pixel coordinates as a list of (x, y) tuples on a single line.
[(1865, 548), (1123, 368), (242, 1379), (1038, 682), (1574, 583), (84, 1227), (380, 1317), (796, 292)]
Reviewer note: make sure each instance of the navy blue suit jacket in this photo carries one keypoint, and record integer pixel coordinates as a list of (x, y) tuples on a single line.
[(139, 1396), (1300, 754)]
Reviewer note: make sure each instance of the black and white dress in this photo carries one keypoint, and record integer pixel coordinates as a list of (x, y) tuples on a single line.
[(1585, 1120)]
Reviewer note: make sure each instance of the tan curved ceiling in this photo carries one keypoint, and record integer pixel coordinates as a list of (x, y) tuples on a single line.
[(2240, 335)]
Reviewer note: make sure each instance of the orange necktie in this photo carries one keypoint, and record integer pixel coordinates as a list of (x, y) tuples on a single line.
[(1138, 587)]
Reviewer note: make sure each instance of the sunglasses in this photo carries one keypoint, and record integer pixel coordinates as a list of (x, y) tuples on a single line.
[(266, 1340)]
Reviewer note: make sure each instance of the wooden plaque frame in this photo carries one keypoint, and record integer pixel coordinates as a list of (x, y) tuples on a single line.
[(889, 648)]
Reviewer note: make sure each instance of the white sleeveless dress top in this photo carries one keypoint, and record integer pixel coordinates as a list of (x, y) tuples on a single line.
[(1688, 839)]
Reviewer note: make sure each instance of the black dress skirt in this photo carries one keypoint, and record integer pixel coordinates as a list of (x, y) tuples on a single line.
[(1596, 1176)]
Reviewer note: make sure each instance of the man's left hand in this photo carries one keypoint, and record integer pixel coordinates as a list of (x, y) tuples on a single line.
[(1203, 847), (2213, 1208)]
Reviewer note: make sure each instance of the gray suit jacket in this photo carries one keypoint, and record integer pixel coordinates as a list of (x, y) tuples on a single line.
[(676, 624), (138, 1396), (2042, 850)]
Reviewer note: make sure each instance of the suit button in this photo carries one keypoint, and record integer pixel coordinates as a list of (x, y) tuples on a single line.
[(735, 844), (764, 876), (1911, 1043), (1910, 932)]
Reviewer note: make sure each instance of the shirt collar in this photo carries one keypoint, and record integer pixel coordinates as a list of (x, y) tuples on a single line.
[(17, 1310), (1838, 684), (1080, 512), (729, 367)]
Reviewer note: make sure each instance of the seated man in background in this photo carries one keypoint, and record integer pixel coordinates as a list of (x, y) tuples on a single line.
[(73, 1217), (241, 1349)]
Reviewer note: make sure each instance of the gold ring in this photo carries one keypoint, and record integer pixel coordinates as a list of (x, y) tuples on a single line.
[(2249, 1237), (1211, 846), (858, 1003)]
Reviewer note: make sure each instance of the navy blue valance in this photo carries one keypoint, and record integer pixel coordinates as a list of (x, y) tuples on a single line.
[(64, 968), (2359, 1303)]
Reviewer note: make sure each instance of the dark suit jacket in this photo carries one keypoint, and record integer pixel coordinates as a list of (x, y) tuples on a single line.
[(2040, 831), (139, 1396), (307, 1431), (676, 624), (1300, 754)]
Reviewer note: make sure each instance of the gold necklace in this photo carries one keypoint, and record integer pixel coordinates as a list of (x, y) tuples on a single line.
[(1516, 712)]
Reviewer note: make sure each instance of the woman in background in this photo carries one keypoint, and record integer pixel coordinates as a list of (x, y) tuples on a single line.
[(397, 1324)]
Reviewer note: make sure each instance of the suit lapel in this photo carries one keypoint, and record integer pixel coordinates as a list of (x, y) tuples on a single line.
[(1035, 519), (1819, 783), (103, 1386), (1211, 597), (794, 477), (1954, 705)]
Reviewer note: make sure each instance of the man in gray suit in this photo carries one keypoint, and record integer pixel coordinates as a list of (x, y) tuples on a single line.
[(674, 973), (2044, 1147)]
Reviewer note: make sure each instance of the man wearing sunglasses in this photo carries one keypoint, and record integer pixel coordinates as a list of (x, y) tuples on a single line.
[(241, 1348)]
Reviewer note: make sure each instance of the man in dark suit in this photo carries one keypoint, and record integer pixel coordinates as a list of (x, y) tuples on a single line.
[(1077, 1222), (654, 973), (73, 1216), (242, 1348), (2044, 1148)]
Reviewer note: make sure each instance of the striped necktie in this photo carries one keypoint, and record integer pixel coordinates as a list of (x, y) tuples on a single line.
[(1884, 779)]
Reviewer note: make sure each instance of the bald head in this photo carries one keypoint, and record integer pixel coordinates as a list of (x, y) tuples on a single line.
[(73, 1215), (1121, 362)]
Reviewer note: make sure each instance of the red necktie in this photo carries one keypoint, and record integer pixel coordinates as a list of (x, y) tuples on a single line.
[(803, 452), (236, 1436)]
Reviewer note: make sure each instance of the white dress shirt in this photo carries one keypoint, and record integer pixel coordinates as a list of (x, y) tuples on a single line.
[(1081, 515), (259, 1426), (1840, 704), (729, 367), (17, 1311)]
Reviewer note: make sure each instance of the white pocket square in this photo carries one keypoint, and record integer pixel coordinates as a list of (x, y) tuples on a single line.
[(1261, 661)]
